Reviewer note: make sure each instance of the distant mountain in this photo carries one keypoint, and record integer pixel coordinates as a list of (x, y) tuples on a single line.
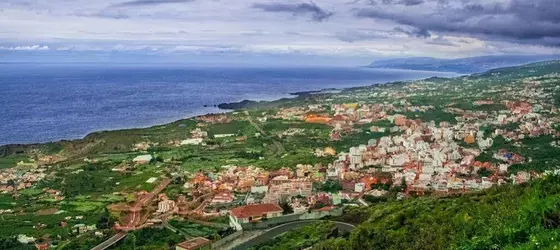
[(463, 65)]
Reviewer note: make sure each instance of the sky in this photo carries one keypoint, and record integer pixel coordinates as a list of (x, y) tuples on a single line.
[(261, 31)]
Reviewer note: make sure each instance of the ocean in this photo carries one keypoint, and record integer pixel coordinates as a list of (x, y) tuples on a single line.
[(50, 102)]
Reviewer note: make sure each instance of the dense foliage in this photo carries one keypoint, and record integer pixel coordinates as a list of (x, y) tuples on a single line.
[(302, 238), (508, 217), (329, 186)]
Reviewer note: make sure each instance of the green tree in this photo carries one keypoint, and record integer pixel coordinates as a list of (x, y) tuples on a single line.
[(285, 204)]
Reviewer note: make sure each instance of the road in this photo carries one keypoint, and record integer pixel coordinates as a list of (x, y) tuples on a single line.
[(281, 229), (136, 218), (109, 242)]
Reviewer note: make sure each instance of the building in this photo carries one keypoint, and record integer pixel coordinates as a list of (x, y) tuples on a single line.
[(254, 212), (359, 187), (142, 159), (197, 243), (165, 206), (223, 135), (222, 198), (192, 141), (289, 189), (259, 189)]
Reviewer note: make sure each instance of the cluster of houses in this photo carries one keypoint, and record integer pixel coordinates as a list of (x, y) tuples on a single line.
[(23, 176), (415, 155)]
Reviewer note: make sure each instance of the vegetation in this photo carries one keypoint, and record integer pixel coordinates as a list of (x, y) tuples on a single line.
[(330, 186), (150, 238), (301, 238), (194, 229), (507, 217)]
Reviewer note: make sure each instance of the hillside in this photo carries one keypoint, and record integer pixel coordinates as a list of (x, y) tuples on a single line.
[(462, 65), (507, 217)]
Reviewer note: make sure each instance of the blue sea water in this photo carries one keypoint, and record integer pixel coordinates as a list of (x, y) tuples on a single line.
[(49, 102)]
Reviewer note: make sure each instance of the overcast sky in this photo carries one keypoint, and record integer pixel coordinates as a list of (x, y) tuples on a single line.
[(339, 30)]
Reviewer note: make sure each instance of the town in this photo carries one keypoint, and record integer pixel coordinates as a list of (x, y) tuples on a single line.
[(215, 180)]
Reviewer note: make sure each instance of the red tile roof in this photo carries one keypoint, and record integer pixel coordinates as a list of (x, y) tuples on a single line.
[(193, 244), (255, 210), (327, 208)]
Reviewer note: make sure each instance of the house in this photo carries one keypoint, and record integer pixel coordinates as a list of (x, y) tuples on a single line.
[(197, 243), (317, 119), (24, 239), (254, 212), (259, 189), (192, 141), (80, 228), (222, 198), (42, 246), (336, 200), (142, 159), (198, 133), (359, 187), (288, 189), (223, 135), (165, 206)]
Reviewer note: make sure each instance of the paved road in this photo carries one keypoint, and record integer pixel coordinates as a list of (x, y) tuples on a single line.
[(281, 229), (109, 242), (135, 218)]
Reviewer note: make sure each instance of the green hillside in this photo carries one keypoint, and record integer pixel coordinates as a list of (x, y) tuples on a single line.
[(509, 217)]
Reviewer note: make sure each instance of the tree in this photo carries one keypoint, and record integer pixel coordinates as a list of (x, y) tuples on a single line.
[(330, 186), (285, 204), (105, 221)]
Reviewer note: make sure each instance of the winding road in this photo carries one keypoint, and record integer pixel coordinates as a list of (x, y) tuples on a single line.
[(135, 217), (281, 229)]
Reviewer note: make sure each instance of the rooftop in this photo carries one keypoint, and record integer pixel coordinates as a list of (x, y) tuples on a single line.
[(255, 210)]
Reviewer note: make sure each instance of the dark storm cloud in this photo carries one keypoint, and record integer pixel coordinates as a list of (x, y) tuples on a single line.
[(149, 2), (318, 14), (521, 21)]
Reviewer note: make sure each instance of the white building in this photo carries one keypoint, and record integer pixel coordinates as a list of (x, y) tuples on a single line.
[(165, 206), (192, 141), (142, 159)]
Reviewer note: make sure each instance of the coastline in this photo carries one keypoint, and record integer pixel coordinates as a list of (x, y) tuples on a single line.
[(252, 103)]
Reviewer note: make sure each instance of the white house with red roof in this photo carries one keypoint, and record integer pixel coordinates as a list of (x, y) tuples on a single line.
[(253, 212)]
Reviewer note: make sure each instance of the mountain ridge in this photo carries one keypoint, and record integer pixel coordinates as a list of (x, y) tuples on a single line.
[(468, 65)]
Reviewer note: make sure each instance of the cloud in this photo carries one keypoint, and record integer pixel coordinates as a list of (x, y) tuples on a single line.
[(420, 33), (318, 14), (26, 48), (362, 35), (519, 21), (411, 2), (442, 42), (423, 28), (391, 2), (149, 2)]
